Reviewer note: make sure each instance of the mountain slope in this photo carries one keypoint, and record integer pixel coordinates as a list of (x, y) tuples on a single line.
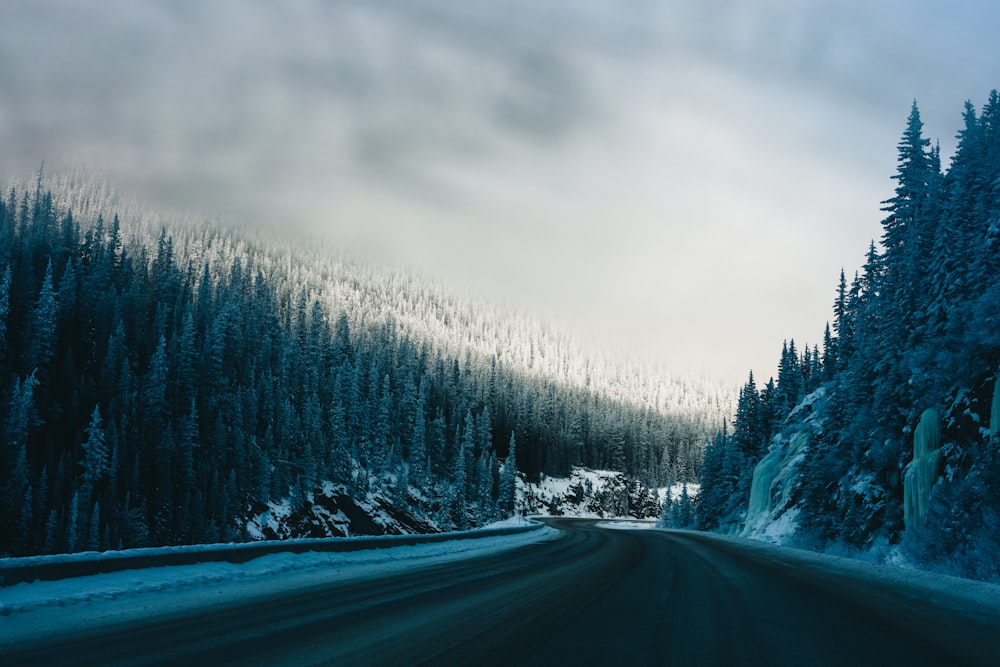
[(886, 442), (161, 380)]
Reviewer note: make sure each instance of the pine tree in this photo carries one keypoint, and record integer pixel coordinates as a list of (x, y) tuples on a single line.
[(768, 414), (418, 448), (52, 531), (897, 286), (830, 361), (484, 431), (73, 528), (458, 500), (508, 480), (716, 485), (747, 434), (913, 176), (43, 326), (4, 312), (467, 446), (485, 502), (684, 508), (790, 378), (94, 529), (21, 415), (96, 463), (666, 519), (153, 399)]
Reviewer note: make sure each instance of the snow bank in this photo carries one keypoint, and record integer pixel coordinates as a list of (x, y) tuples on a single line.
[(43, 608), (65, 566)]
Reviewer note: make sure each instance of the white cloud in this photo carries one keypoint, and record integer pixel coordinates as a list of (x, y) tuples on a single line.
[(685, 177)]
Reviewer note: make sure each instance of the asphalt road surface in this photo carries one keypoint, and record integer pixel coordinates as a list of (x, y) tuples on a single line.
[(591, 597)]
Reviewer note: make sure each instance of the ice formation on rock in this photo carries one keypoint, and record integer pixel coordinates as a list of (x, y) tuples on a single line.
[(920, 475), (773, 480)]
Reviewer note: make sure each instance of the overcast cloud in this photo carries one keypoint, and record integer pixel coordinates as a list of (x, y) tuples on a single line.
[(684, 178)]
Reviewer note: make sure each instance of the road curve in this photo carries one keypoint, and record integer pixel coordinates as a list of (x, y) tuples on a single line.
[(591, 597)]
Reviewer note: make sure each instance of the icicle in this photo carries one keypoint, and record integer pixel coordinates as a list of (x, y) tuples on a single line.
[(920, 475)]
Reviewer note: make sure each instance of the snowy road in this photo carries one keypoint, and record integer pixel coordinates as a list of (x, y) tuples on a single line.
[(592, 596)]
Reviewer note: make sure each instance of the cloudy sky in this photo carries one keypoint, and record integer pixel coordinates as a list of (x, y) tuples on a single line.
[(680, 178)]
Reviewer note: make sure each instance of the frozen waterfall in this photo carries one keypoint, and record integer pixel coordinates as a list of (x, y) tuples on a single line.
[(920, 475), (773, 481)]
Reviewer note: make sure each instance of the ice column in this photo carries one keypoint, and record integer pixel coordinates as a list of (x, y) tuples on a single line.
[(920, 475), (760, 485), (774, 476)]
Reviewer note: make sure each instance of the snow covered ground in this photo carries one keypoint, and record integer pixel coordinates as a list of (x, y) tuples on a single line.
[(42, 608), (592, 494), (332, 511), (676, 489)]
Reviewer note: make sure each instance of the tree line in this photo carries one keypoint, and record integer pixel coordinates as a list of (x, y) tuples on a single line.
[(155, 385), (915, 328)]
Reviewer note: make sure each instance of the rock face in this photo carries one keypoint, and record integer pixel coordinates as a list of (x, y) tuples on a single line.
[(590, 493), (920, 475), (332, 512)]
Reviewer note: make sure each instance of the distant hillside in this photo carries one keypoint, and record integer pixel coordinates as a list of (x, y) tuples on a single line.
[(161, 381), (887, 441)]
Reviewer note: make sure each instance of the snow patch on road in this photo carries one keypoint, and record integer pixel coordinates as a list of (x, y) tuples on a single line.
[(627, 525)]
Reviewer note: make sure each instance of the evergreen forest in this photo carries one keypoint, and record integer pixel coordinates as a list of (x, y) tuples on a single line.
[(910, 360), (158, 379)]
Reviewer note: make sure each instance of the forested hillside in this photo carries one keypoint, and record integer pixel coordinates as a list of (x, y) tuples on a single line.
[(161, 380), (887, 440)]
